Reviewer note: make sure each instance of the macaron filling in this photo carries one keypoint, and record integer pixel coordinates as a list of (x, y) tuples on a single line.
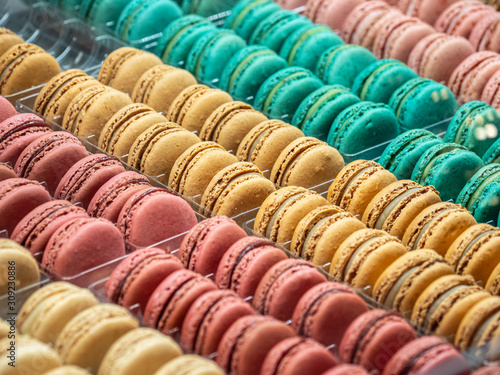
[(392, 205), (18, 130), (312, 232)]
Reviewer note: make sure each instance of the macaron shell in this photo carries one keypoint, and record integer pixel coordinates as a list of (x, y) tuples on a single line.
[(8, 39), (190, 364), (346, 369), (27, 271), (6, 109), (6, 172)]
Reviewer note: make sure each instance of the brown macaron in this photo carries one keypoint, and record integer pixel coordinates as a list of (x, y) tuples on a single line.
[(306, 162), (230, 123), (493, 283), (8, 39), (357, 184), (195, 168), (194, 105), (397, 205), (24, 66), (236, 189), (124, 66), (437, 226), (282, 211), (265, 142), (159, 86)]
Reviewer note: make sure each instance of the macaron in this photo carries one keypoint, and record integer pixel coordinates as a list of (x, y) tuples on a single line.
[(67, 370), (282, 286), (230, 123), (426, 10), (80, 245), (6, 171), (137, 276), (325, 311), (437, 227), (236, 189), (298, 355), (194, 169), (17, 132), (281, 212), (264, 143), (437, 55), (422, 102), (35, 229), (18, 268), (346, 369), (194, 105), (291, 4), (373, 338), (403, 281), (159, 86), (378, 81), (46, 312), (20, 68), (428, 355), (489, 94), (362, 126), (332, 13), (247, 70), (484, 34), (306, 44), (402, 154), (6, 109), (108, 201), (442, 306), (341, 64), (364, 256), (18, 197), (208, 8), (102, 12), (189, 363), (492, 155), (209, 317), (281, 94), (245, 344), (317, 112), (319, 234), (210, 54), (244, 264), (142, 350), (204, 245), (86, 176), (140, 19), (87, 337), (480, 194), (8, 39), (357, 184), (170, 301), (442, 161), (141, 226)]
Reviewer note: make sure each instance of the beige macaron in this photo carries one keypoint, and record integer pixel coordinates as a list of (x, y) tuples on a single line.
[(190, 364), (68, 370), (18, 268), (8, 39)]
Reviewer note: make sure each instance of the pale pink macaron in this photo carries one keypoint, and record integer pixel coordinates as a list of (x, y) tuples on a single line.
[(330, 12), (485, 35), (360, 19), (426, 10), (460, 18), (491, 92), (399, 36), (291, 4), (437, 56), (470, 78)]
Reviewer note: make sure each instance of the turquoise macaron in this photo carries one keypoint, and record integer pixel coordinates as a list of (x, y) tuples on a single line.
[(378, 81), (210, 54), (362, 126), (143, 18), (481, 194), (103, 12), (280, 95), (247, 14), (493, 153), (273, 30), (319, 110), (208, 8), (179, 37), (247, 71), (476, 126), (402, 154), (306, 44), (448, 167), (421, 102), (341, 64)]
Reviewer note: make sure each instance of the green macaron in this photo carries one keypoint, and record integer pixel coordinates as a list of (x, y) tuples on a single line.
[(207, 8), (247, 71), (362, 126), (448, 167), (319, 110), (493, 153), (476, 126), (103, 12), (402, 154)]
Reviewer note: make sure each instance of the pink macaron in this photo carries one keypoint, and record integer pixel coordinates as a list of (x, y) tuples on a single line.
[(426, 10), (204, 246), (49, 157), (346, 369), (245, 263), (36, 228), (209, 317), (6, 109), (330, 12), (361, 19), (82, 244), (137, 276), (6, 171), (154, 215), (17, 132), (491, 91), (485, 34), (325, 311)]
